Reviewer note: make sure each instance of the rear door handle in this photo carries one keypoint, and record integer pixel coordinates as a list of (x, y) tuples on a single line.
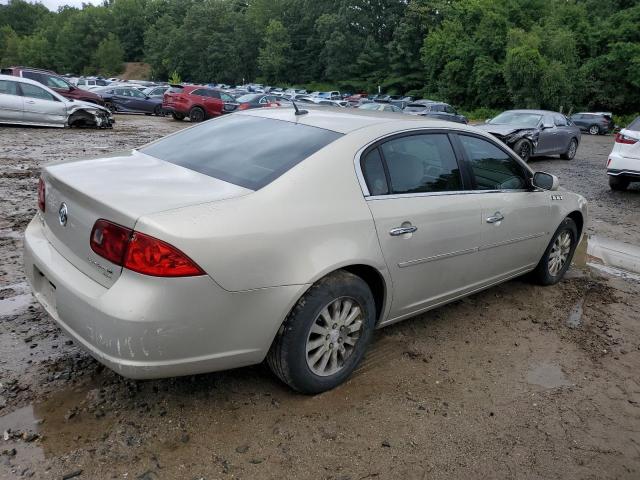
[(495, 218), (30, 102), (396, 232)]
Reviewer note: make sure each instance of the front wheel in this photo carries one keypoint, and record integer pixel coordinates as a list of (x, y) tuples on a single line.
[(571, 150), (524, 149), (618, 182), (557, 257), (325, 336), (594, 130)]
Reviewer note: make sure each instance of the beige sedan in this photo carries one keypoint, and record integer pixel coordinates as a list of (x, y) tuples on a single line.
[(286, 235)]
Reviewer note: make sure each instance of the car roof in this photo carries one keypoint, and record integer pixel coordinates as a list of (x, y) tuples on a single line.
[(341, 121), (22, 80), (537, 112)]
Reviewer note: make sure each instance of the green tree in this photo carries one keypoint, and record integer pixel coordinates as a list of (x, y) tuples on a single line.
[(273, 57), (109, 56)]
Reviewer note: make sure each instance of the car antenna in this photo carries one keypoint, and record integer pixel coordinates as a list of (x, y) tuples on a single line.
[(298, 111)]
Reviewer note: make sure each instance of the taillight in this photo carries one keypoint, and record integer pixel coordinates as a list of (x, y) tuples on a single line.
[(151, 256), (110, 240), (621, 138), (41, 195), (243, 106), (139, 252)]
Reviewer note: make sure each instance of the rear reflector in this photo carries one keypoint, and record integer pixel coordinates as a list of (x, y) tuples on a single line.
[(151, 256), (41, 195), (621, 138), (139, 252), (110, 241)]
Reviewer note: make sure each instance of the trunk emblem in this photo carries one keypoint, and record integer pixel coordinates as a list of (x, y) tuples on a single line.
[(62, 214)]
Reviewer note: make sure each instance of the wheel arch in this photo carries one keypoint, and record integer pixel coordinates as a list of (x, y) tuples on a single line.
[(577, 217)]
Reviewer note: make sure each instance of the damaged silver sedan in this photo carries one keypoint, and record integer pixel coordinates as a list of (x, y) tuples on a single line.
[(26, 102)]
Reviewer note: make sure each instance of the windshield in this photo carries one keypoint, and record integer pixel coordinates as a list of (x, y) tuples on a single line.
[(247, 98), (241, 149), (523, 119), (370, 106)]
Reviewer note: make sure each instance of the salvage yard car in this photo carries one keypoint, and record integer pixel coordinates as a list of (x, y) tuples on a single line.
[(196, 102), (623, 165), (129, 100), (27, 102), (533, 133), (286, 235), (594, 123)]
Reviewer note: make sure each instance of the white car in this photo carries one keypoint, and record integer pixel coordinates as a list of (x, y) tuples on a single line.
[(623, 165), (286, 235), (26, 102)]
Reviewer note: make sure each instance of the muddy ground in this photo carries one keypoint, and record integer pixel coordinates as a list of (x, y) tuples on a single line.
[(518, 381)]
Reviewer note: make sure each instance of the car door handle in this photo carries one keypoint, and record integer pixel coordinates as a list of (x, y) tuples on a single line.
[(30, 102), (497, 217), (396, 232)]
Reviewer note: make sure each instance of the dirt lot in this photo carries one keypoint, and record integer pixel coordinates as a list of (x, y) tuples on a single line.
[(518, 381)]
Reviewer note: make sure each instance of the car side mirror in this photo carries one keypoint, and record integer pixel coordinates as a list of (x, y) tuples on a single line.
[(546, 181), (487, 120), (547, 125)]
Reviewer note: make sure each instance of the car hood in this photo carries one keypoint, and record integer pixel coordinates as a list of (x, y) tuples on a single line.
[(503, 130), (76, 104)]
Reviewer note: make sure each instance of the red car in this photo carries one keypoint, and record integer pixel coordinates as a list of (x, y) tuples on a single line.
[(54, 82), (196, 102)]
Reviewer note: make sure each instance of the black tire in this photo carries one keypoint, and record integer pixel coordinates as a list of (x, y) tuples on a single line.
[(594, 130), (572, 149), (196, 115), (111, 107), (524, 149), (618, 182), (287, 357), (158, 111), (542, 274), (178, 116)]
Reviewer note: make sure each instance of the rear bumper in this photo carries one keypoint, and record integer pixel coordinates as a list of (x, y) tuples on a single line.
[(619, 165), (148, 327)]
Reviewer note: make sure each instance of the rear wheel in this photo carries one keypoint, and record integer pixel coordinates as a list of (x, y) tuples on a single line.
[(158, 111), (557, 257), (196, 114), (618, 182), (571, 150), (177, 116), (325, 336), (594, 130), (524, 149)]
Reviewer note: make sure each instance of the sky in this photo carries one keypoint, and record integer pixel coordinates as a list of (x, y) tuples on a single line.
[(54, 4)]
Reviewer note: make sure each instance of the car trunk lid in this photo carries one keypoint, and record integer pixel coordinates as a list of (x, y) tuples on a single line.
[(119, 188)]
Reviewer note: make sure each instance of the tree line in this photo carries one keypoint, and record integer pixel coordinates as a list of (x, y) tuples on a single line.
[(472, 53)]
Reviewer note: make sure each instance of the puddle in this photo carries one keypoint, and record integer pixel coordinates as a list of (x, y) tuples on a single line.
[(8, 233), (548, 375), (17, 303), (575, 315), (609, 256), (23, 419)]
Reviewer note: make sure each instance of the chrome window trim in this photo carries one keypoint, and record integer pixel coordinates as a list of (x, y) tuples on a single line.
[(438, 194)]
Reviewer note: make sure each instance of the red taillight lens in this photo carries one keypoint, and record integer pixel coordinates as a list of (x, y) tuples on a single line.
[(41, 195), (151, 256), (243, 106), (110, 241), (621, 138), (139, 252)]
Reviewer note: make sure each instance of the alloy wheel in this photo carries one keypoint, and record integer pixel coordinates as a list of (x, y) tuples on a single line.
[(594, 130), (333, 336), (559, 253), (525, 151)]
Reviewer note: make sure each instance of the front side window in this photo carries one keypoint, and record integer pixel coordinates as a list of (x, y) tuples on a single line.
[(421, 163), (33, 91), (227, 98), (559, 120), (492, 168), (136, 93), (241, 149), (8, 87)]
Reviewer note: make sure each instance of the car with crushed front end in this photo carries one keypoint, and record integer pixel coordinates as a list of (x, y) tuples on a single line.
[(288, 235), (535, 133), (28, 102)]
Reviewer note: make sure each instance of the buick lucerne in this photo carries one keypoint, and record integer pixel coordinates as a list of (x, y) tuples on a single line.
[(286, 236)]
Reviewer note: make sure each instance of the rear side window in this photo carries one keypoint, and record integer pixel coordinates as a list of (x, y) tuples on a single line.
[(492, 168), (421, 163), (8, 88), (374, 175), (240, 149)]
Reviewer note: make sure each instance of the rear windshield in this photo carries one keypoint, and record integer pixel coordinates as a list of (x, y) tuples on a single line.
[(174, 89), (240, 149), (635, 125)]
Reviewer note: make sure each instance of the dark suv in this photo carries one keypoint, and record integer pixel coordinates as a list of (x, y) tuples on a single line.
[(594, 123), (54, 82), (442, 111)]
